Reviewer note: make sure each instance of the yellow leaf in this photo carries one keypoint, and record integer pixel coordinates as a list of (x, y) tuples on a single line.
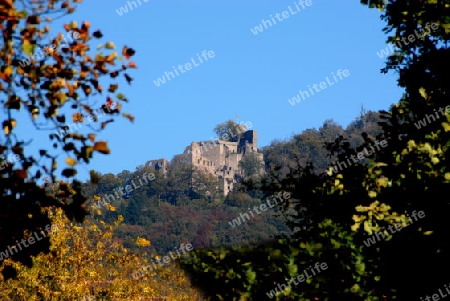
[(446, 27), (446, 126), (71, 161), (383, 182), (423, 93), (110, 45), (142, 242), (330, 171), (372, 194), (427, 232)]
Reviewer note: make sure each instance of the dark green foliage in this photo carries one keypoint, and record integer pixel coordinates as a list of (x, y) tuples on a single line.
[(230, 131), (251, 165), (168, 215), (251, 273)]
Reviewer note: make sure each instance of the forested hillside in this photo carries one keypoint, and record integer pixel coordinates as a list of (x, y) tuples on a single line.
[(168, 210)]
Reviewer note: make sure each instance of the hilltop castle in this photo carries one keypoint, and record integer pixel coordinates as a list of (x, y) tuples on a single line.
[(218, 157)]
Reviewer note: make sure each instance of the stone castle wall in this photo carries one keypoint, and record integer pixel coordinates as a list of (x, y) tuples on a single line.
[(218, 157)]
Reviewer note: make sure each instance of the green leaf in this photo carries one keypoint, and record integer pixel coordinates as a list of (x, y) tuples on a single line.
[(28, 49), (446, 27), (22, 13)]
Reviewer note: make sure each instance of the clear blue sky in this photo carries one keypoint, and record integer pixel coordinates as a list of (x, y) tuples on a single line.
[(251, 76)]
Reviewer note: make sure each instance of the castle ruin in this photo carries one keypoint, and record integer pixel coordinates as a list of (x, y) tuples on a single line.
[(218, 157)]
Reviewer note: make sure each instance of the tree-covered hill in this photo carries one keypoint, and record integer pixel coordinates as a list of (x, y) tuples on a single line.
[(185, 205)]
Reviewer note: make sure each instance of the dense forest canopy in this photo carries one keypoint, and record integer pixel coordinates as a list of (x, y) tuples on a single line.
[(174, 205)]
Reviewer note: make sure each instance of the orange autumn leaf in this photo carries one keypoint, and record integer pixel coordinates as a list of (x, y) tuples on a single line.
[(128, 52), (76, 136), (128, 116), (71, 161), (102, 147), (77, 117)]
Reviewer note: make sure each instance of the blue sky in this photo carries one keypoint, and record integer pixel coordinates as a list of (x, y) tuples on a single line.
[(251, 76)]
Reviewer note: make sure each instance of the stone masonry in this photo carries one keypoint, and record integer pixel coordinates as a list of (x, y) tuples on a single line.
[(218, 157)]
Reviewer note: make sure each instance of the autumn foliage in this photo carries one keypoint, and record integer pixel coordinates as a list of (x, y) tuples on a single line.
[(85, 260), (51, 92)]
